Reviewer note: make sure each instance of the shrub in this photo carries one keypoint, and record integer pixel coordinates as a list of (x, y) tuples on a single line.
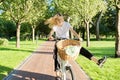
[(3, 41)]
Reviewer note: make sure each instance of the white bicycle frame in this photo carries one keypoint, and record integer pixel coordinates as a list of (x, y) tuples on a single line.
[(63, 65)]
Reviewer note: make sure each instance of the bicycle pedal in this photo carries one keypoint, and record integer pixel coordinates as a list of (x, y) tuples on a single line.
[(68, 67)]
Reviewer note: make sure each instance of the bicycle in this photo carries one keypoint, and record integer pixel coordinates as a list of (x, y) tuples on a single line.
[(66, 72)]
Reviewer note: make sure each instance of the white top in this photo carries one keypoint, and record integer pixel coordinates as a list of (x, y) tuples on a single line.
[(62, 31)]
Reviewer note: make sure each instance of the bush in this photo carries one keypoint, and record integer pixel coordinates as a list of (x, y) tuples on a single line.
[(3, 41), (26, 36)]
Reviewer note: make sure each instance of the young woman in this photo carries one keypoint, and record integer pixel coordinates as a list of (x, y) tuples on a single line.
[(61, 29)]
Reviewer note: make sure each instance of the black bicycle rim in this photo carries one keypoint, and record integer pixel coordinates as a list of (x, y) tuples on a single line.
[(69, 74)]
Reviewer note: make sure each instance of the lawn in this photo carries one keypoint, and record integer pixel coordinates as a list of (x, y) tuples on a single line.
[(110, 70), (11, 57)]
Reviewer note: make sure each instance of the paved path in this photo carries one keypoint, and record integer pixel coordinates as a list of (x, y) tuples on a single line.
[(39, 66)]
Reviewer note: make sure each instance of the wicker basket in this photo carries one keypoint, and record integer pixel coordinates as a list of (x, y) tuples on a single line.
[(61, 51)]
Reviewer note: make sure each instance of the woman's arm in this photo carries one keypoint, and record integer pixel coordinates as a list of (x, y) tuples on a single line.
[(50, 37), (75, 34)]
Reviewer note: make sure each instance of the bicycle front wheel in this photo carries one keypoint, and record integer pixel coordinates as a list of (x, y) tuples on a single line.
[(69, 73)]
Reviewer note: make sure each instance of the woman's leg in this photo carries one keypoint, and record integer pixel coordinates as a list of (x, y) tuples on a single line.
[(90, 56), (86, 53), (56, 63)]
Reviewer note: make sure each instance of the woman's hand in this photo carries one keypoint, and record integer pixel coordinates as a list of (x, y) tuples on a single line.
[(50, 38), (81, 39), (50, 35)]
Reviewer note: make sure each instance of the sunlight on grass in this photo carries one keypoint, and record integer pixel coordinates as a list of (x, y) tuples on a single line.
[(110, 70), (11, 57)]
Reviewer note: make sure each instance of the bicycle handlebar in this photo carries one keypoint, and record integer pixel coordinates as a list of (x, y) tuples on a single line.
[(54, 39)]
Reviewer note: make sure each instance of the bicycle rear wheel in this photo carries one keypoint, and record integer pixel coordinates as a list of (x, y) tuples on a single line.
[(69, 73)]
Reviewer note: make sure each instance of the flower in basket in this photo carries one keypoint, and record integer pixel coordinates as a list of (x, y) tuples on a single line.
[(72, 50)]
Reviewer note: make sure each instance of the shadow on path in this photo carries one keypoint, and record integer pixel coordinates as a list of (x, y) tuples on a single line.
[(26, 75)]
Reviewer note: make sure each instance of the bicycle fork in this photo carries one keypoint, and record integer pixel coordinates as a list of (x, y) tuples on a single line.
[(63, 69)]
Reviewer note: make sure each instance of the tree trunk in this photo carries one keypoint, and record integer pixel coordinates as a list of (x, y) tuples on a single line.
[(71, 35), (33, 34), (83, 33), (117, 44), (97, 26), (87, 33), (18, 35)]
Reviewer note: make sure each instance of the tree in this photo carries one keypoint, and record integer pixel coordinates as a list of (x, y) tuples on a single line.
[(108, 20), (19, 11), (38, 12), (87, 9), (117, 44), (97, 26)]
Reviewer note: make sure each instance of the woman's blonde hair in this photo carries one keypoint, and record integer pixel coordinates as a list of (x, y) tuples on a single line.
[(55, 20)]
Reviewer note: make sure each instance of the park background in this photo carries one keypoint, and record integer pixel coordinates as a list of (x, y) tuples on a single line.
[(22, 28)]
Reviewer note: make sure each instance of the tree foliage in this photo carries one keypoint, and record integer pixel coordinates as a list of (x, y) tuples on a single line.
[(7, 28), (21, 11), (38, 12), (81, 12)]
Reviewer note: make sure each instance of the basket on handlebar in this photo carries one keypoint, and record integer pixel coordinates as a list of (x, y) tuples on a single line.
[(61, 48)]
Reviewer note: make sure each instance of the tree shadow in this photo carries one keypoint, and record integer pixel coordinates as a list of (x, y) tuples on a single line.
[(102, 39), (104, 51), (26, 75), (11, 49), (53, 43), (42, 52), (4, 69)]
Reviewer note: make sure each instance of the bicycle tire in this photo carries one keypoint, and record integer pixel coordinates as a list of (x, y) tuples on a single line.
[(69, 73)]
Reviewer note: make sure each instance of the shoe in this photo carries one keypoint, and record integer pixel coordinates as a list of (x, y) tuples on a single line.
[(57, 75), (58, 78), (101, 61)]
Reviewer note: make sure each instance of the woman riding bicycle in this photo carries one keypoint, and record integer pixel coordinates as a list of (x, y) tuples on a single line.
[(61, 29)]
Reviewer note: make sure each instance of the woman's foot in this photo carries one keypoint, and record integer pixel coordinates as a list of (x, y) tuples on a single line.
[(101, 61), (58, 75)]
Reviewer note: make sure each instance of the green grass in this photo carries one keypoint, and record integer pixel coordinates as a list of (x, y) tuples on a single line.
[(110, 70), (11, 57)]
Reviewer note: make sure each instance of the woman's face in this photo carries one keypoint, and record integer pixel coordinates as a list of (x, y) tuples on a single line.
[(59, 23), (59, 20), (56, 20)]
